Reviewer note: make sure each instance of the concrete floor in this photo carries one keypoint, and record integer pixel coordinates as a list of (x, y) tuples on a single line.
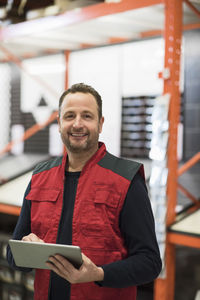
[(187, 276)]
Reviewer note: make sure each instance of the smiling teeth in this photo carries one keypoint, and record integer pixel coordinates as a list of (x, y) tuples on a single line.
[(78, 134)]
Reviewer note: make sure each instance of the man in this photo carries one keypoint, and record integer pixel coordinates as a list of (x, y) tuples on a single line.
[(92, 199)]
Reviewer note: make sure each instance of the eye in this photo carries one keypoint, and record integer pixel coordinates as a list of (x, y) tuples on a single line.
[(87, 116), (68, 116)]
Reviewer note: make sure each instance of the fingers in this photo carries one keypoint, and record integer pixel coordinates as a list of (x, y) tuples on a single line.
[(85, 258), (62, 267), (32, 238), (88, 271), (61, 263), (54, 266)]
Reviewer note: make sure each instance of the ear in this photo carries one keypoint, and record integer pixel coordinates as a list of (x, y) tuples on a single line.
[(58, 120), (101, 124)]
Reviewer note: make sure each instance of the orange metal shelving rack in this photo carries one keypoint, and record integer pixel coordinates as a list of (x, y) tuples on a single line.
[(164, 288), (173, 27)]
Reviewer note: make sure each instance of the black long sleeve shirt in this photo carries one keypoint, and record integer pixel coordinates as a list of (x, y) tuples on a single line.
[(136, 224)]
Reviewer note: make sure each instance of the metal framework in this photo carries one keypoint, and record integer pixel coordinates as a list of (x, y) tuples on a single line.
[(164, 287)]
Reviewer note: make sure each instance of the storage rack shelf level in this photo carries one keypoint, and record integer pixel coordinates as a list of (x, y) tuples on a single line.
[(10, 209), (173, 11)]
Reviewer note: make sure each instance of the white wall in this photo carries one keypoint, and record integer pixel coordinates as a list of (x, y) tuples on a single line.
[(44, 77), (5, 81), (141, 63), (100, 68), (124, 70)]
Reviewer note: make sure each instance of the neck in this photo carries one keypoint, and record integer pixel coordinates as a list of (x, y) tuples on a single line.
[(76, 161)]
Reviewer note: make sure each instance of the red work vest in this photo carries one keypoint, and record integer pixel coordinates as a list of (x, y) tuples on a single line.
[(101, 190)]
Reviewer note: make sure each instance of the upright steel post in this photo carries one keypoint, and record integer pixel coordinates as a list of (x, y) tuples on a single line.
[(164, 288)]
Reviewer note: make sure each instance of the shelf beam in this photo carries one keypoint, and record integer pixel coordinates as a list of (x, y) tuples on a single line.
[(184, 240), (28, 133), (192, 7), (188, 194), (10, 209), (190, 163), (73, 17)]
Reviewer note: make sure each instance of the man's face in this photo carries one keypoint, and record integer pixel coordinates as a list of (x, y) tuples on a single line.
[(79, 123)]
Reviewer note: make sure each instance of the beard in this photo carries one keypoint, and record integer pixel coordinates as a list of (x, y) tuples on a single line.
[(78, 147)]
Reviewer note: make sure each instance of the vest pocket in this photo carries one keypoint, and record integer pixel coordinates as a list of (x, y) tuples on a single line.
[(106, 204), (102, 214), (43, 211), (43, 195)]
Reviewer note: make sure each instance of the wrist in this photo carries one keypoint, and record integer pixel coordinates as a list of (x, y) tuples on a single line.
[(100, 274)]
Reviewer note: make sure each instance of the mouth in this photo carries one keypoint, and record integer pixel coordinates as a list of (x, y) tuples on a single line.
[(78, 135)]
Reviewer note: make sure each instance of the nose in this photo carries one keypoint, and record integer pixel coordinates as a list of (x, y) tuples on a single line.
[(77, 122)]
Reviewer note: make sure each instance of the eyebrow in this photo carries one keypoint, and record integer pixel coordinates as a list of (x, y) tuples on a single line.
[(87, 111), (83, 112)]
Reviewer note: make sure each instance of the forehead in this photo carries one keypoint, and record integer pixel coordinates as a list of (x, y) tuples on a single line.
[(79, 100)]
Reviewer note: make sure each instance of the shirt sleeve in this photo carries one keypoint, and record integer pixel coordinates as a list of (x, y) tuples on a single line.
[(143, 264), (22, 228)]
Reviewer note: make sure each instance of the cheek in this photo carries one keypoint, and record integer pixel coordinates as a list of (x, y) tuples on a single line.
[(64, 127), (94, 129)]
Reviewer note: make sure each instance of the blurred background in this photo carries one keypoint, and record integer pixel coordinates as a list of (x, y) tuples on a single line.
[(144, 60)]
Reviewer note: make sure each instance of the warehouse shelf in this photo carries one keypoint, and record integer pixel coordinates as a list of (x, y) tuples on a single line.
[(13, 166), (95, 25), (13, 283), (10, 209), (189, 227), (85, 28)]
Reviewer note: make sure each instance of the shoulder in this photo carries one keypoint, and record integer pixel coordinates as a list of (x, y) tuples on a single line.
[(47, 165), (123, 167)]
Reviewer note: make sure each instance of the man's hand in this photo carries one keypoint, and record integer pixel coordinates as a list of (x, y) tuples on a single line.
[(32, 238), (88, 272)]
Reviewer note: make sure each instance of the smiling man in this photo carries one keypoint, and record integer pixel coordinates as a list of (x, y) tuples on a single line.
[(92, 199), (80, 123)]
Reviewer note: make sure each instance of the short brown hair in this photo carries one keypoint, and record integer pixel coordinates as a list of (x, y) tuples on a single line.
[(85, 89)]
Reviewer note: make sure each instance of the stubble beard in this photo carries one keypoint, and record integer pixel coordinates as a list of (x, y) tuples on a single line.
[(87, 146)]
